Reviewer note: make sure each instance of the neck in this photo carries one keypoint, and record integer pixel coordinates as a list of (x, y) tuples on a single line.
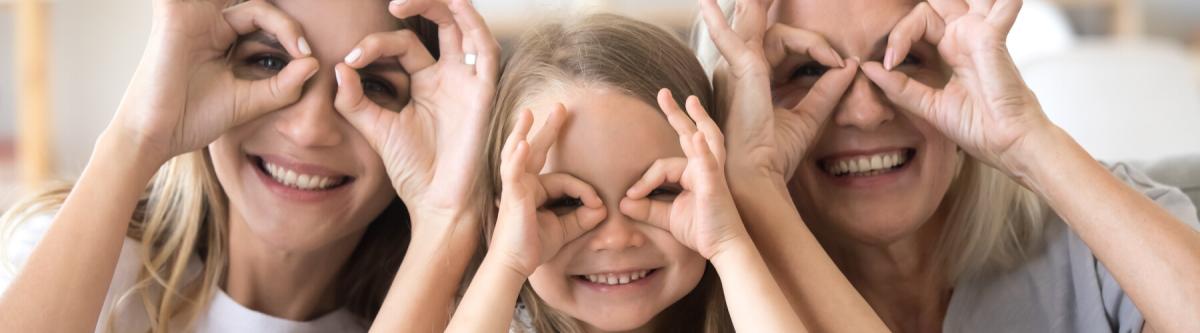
[(903, 280), (285, 283)]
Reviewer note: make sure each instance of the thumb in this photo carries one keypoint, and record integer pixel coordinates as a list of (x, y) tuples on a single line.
[(655, 212), (255, 98), (909, 94)]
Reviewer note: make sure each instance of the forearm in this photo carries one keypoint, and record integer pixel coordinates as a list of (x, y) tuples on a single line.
[(64, 282), (489, 302), (1153, 256), (422, 295), (813, 285), (753, 298)]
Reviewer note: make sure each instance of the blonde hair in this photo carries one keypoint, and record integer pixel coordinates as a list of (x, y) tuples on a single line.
[(184, 213), (993, 223), (619, 53)]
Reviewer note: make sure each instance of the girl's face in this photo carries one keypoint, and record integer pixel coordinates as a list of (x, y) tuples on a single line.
[(609, 141), (869, 205), (301, 178)]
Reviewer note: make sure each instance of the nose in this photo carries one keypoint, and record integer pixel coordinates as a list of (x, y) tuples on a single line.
[(616, 233), (864, 106), (312, 121)]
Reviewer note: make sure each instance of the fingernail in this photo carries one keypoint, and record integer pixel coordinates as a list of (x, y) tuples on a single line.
[(354, 55), (337, 76), (303, 44), (398, 2), (888, 57)]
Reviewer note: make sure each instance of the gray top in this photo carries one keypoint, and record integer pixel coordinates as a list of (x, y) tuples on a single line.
[(1064, 288)]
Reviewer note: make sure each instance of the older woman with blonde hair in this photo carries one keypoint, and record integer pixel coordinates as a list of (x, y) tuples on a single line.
[(896, 173)]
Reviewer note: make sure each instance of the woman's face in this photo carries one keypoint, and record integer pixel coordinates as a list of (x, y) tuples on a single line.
[(608, 141), (876, 174), (301, 178)]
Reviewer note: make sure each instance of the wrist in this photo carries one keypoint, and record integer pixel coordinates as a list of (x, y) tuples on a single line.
[(732, 249), (498, 260), (122, 152), (1038, 152)]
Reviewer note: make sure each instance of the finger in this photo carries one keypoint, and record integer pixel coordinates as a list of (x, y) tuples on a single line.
[(715, 140), (722, 35), (449, 35), (559, 185), (655, 212), (678, 120), (513, 167), (662, 171), (402, 44), (362, 113), (1004, 14), (518, 133), (702, 154), (479, 38), (981, 7), (252, 16), (922, 23), (750, 19), (255, 98), (785, 47), (909, 94), (825, 94), (545, 137), (572, 225), (949, 9)]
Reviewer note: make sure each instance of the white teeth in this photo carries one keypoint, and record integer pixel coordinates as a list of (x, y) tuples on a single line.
[(866, 165), (300, 181), (614, 279)]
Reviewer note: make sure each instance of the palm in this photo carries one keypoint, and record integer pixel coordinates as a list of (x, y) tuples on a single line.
[(762, 137), (985, 107), (983, 115), (432, 147), (205, 104), (527, 233), (426, 145)]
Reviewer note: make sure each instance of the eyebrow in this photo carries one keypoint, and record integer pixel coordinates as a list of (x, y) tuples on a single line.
[(263, 38)]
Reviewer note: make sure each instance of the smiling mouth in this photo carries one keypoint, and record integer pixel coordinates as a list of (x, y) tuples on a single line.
[(867, 165), (297, 180), (616, 279)]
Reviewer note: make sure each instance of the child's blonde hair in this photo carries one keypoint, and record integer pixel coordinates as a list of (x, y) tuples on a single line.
[(632, 57)]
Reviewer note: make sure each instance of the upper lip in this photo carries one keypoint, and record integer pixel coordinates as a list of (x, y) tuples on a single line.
[(301, 167)]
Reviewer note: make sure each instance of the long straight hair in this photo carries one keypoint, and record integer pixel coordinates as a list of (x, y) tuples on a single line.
[(183, 214), (635, 58)]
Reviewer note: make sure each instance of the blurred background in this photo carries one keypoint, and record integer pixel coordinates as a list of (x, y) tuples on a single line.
[(1120, 75)]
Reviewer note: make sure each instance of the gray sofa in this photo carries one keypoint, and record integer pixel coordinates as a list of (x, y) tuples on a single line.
[(1180, 171)]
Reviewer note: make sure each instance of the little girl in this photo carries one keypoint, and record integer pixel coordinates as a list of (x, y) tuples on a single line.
[(617, 213)]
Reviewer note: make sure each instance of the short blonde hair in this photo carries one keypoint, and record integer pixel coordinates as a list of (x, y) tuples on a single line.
[(612, 51)]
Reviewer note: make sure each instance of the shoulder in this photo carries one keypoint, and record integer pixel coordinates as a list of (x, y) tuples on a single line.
[(23, 237), (1061, 286)]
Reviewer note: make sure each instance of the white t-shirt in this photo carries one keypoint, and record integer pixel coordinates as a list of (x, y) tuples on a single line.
[(223, 313)]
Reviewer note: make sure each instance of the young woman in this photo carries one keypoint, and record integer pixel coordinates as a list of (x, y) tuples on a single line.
[(919, 164), (611, 210), (286, 158)]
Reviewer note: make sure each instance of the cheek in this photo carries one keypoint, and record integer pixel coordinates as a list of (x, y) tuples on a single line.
[(687, 266), (227, 159)]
